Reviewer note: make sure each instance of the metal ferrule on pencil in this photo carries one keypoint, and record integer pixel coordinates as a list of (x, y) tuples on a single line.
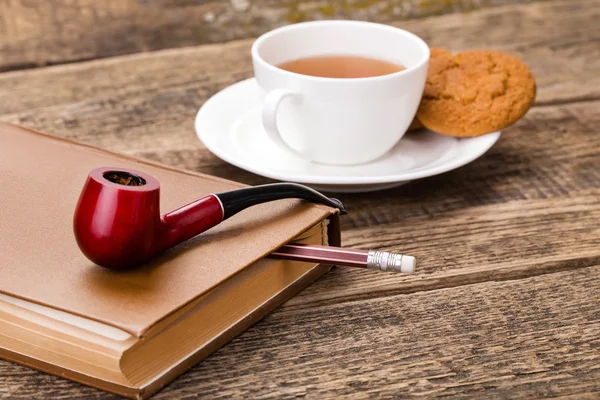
[(390, 262)]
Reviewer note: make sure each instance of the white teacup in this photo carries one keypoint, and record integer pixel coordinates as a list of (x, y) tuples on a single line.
[(340, 121)]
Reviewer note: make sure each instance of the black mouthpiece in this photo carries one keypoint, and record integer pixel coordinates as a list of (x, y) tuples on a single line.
[(237, 200)]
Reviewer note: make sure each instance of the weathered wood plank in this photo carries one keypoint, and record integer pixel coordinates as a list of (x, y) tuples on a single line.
[(507, 339), (494, 242), (529, 338), (560, 47), (38, 32)]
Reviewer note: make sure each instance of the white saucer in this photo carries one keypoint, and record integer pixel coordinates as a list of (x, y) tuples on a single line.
[(229, 125)]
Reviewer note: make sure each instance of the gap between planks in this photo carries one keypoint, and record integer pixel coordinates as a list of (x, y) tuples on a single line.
[(446, 282), (563, 102)]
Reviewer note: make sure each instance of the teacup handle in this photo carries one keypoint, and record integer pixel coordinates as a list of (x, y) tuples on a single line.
[(269, 117)]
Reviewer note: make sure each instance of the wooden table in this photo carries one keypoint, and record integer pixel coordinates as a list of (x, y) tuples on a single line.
[(506, 300)]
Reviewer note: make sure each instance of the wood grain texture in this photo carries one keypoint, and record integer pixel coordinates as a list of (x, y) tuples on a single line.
[(527, 338), (38, 32), (505, 301), (531, 337), (493, 242), (153, 97)]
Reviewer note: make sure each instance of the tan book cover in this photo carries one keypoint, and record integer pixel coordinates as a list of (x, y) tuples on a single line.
[(62, 314)]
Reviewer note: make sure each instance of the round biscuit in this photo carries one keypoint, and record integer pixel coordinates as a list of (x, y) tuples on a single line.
[(475, 92)]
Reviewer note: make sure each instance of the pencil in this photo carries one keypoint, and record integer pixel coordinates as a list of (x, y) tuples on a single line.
[(370, 259)]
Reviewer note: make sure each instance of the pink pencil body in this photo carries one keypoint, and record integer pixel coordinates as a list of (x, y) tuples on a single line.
[(371, 259)]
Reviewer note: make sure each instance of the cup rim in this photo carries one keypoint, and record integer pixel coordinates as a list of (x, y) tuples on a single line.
[(261, 39)]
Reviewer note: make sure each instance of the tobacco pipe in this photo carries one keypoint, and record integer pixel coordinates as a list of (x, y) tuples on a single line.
[(117, 221)]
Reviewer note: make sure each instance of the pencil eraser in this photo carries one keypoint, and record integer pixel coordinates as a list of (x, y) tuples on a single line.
[(409, 263)]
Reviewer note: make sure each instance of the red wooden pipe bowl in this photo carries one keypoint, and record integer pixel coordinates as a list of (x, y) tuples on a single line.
[(119, 226)]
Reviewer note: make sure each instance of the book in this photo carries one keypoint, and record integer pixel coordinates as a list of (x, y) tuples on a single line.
[(132, 332)]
